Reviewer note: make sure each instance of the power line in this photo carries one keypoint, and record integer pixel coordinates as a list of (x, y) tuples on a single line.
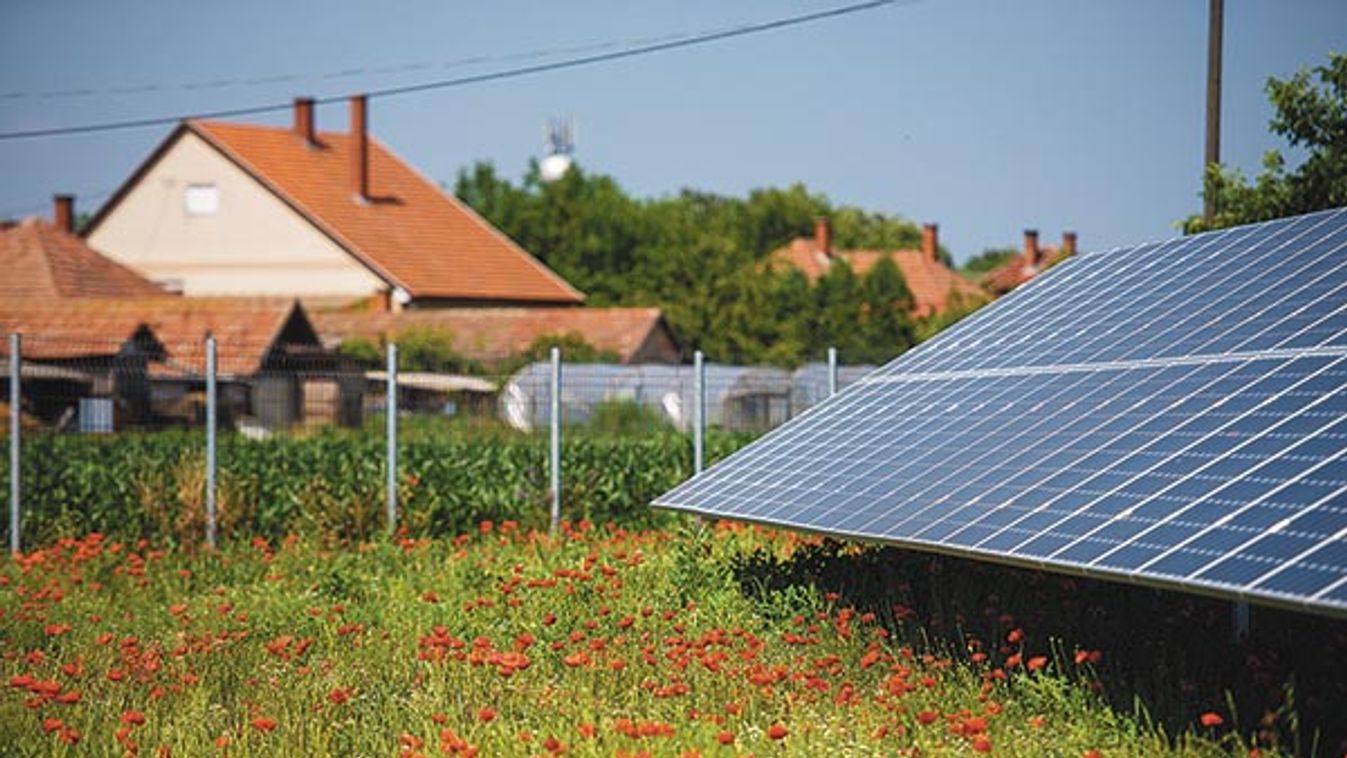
[(511, 73), (217, 83)]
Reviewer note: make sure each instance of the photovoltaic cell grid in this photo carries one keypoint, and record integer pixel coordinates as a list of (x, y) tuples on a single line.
[(1172, 414)]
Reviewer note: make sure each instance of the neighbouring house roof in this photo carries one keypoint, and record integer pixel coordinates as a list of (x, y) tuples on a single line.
[(1021, 269), (493, 334), (934, 286), (410, 233), (41, 260), (247, 330)]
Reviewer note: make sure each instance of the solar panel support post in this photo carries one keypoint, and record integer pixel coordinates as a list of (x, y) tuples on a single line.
[(698, 412), (1241, 614), (554, 467), (15, 411), (212, 411), (391, 435), (832, 371)]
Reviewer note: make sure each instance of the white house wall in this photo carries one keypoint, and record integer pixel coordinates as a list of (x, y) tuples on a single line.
[(253, 244)]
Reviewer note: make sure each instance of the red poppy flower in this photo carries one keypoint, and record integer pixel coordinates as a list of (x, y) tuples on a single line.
[(725, 737), (486, 715), (264, 724), (974, 725), (1210, 719), (134, 718), (777, 732)]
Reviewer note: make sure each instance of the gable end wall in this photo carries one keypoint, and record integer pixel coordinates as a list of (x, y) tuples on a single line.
[(253, 245)]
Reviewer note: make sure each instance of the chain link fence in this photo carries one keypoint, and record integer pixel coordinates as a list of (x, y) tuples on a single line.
[(199, 435)]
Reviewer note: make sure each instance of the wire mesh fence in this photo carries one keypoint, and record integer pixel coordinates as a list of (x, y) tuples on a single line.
[(173, 440)]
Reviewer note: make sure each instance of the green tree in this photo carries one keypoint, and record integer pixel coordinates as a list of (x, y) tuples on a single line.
[(419, 349), (427, 349), (699, 256), (837, 314), (989, 260), (888, 327), (793, 303), (362, 350), (1310, 116)]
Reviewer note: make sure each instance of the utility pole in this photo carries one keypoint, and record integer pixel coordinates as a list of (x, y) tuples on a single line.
[(1215, 24)]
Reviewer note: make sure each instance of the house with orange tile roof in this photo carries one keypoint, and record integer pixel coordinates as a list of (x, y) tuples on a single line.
[(491, 335), (933, 285), (46, 259), (147, 357), (224, 209), (1032, 261)]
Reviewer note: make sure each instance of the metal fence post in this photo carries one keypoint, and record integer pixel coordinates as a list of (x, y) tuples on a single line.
[(832, 371), (15, 412), (391, 412), (555, 461), (212, 402), (698, 411)]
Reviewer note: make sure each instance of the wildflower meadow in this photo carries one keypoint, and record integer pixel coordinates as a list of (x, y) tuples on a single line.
[(598, 641)]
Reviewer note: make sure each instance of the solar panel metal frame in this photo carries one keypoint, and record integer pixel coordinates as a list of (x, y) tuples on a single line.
[(1286, 272)]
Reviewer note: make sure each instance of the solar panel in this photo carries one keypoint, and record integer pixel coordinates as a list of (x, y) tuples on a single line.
[(1172, 413)]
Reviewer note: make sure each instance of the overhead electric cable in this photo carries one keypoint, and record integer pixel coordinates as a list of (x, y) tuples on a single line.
[(511, 73), (218, 83)]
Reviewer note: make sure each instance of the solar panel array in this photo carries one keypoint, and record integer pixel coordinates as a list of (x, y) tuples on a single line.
[(1173, 413)]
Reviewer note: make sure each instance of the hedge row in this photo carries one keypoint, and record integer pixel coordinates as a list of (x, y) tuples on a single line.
[(333, 485)]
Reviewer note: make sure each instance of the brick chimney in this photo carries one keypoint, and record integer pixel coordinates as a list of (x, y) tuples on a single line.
[(359, 149), (304, 121), (63, 212), (1031, 252), (1068, 243), (823, 236), (930, 242)]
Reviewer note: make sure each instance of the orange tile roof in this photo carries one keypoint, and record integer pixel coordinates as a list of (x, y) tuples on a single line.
[(933, 285), (1019, 270), (492, 334), (410, 233), (42, 260), (245, 329)]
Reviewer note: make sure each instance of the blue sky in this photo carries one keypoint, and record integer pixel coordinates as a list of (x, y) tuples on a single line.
[(985, 116)]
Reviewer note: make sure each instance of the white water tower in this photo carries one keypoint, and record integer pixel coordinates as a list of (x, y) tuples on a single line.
[(559, 144)]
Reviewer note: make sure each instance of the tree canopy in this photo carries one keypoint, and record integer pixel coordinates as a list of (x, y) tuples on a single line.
[(1311, 114), (703, 259)]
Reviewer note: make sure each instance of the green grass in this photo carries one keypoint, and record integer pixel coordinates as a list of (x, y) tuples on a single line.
[(600, 643)]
